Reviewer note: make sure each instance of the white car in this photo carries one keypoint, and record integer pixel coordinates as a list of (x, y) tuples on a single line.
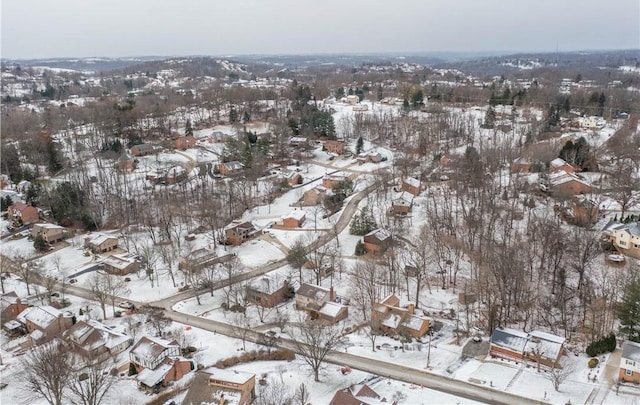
[(126, 305)]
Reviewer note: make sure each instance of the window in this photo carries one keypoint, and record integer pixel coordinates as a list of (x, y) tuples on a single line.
[(622, 243), (628, 372)]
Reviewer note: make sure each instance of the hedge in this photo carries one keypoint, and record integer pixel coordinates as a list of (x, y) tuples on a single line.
[(604, 345)]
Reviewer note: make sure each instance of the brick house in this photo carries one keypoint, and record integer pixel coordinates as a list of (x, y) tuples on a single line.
[(50, 233), (508, 344), (559, 165), (237, 233), (401, 205), (411, 185), (377, 241), (319, 303), (314, 196), (331, 180), (336, 147), (93, 339), (185, 142), (392, 319), (44, 323), (218, 386), (630, 362), (126, 162), (100, 243), (121, 264), (10, 307), (267, 291), (231, 168), (294, 219), (564, 183), (158, 362), (521, 165), (292, 178), (144, 149), (21, 212), (358, 394)]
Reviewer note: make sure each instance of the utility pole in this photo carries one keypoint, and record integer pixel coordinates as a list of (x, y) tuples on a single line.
[(429, 351)]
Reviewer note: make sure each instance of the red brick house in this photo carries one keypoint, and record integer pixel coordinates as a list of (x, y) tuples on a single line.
[(331, 180), (237, 233), (314, 196), (402, 204), (21, 212), (231, 168), (567, 184), (320, 303), (158, 362), (294, 219), (508, 344), (521, 165), (411, 185), (336, 147), (559, 165), (392, 319), (267, 292), (535, 346), (44, 323), (377, 241), (185, 142), (10, 306), (359, 394)]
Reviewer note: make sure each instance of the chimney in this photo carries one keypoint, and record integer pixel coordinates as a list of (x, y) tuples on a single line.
[(332, 296), (222, 401), (411, 308)]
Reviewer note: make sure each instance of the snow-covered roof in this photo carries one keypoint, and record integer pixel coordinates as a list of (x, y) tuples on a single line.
[(296, 214), (312, 291), (331, 309), (631, 350), (557, 162), (42, 316), (405, 198), (392, 321), (547, 344), (380, 234), (99, 239), (120, 261), (231, 376), (48, 226), (151, 378), (414, 322), (149, 348), (93, 334), (562, 177), (510, 339), (412, 181), (234, 165)]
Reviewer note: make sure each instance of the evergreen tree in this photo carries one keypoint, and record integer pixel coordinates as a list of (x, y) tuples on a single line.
[(629, 311), (417, 98), (188, 130), (489, 118), (363, 223), (39, 244), (359, 145), (233, 115)]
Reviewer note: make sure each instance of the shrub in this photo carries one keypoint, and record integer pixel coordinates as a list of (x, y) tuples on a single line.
[(607, 344), (255, 355), (593, 362)]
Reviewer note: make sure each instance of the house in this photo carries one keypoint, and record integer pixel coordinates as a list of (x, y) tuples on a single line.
[(352, 99), (294, 219), (401, 205), (121, 264), (238, 232), (508, 344), (22, 213), (197, 259), (174, 175), (185, 142), (630, 362), (580, 211), (360, 108), (331, 180), (218, 386), (314, 196), (567, 184), (158, 362), (411, 185), (391, 319), (100, 243), (126, 162), (10, 307), (559, 165), (537, 346), (145, 149), (333, 146), (625, 237), (358, 394), (231, 168), (521, 165), (377, 241), (44, 323), (374, 157), (544, 348), (218, 137), (93, 339), (292, 178), (268, 291), (299, 142), (50, 233), (320, 303)]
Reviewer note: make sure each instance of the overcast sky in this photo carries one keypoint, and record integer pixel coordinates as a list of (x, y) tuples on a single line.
[(83, 28)]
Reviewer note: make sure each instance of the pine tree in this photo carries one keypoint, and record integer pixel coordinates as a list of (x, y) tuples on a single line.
[(629, 311), (188, 130), (359, 145)]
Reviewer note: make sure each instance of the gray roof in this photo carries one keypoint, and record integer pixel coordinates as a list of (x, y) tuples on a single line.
[(631, 350), (509, 339)]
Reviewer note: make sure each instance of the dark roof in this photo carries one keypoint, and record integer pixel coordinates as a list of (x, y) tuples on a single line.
[(509, 339), (631, 350)]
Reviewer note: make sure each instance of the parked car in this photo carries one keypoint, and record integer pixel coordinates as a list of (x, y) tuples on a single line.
[(126, 305), (72, 281)]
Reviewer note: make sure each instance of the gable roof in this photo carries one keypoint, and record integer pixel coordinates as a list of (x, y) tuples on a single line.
[(149, 348), (315, 292), (42, 316), (631, 350), (92, 334), (509, 339)]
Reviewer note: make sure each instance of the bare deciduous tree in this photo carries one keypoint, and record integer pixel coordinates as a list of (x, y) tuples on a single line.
[(91, 380), (315, 341), (47, 371), (559, 373)]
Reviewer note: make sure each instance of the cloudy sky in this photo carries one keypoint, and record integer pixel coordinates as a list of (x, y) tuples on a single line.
[(84, 28)]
